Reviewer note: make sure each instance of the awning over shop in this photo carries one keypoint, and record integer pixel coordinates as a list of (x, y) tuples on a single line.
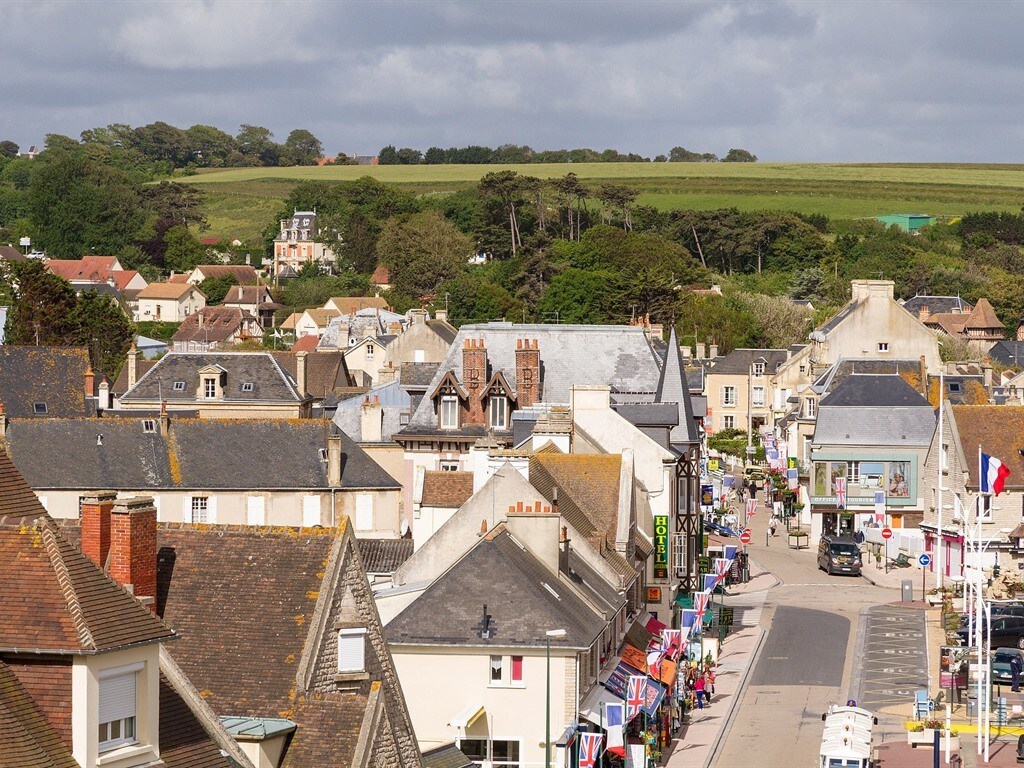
[(467, 717), (591, 707)]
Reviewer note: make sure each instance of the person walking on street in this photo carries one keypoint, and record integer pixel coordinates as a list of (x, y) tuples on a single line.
[(1016, 667), (773, 525), (698, 686)]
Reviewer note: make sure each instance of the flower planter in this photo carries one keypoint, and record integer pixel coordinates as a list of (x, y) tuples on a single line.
[(926, 738)]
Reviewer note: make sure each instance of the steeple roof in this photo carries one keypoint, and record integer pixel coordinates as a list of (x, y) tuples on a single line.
[(672, 388)]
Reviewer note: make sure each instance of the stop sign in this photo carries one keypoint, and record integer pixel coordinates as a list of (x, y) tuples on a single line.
[(887, 533), (745, 537)]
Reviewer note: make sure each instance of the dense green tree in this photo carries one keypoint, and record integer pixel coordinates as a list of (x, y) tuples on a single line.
[(100, 325), (422, 251), (41, 313), (302, 147), (163, 142), (408, 156), (433, 156), (257, 142), (183, 251), (388, 156), (582, 296), (176, 203), (472, 298), (512, 191), (209, 146), (315, 291), (8, 149), (216, 288), (739, 156)]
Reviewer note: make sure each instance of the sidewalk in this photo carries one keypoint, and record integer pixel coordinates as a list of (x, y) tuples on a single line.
[(701, 736)]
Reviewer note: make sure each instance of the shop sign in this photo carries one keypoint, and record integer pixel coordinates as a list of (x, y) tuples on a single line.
[(661, 546)]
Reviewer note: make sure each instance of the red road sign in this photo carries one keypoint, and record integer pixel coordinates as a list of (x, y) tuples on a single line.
[(887, 533), (745, 537)]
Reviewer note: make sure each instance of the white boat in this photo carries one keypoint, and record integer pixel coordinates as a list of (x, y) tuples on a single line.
[(846, 740)]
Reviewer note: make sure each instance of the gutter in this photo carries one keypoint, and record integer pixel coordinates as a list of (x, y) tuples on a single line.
[(86, 652)]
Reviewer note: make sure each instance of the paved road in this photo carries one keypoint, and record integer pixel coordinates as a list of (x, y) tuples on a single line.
[(894, 661), (805, 663)]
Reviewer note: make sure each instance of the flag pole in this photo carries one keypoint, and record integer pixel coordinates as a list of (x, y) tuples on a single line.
[(939, 568)]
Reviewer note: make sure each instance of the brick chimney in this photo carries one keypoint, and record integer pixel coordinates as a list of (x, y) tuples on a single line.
[(923, 313), (3, 420), (90, 382), (133, 547), (133, 365), (96, 526), (527, 372), (300, 371), (474, 378)]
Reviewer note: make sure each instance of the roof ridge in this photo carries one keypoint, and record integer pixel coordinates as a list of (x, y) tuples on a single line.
[(60, 568)]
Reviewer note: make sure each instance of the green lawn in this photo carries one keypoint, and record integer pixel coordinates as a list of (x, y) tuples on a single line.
[(242, 201)]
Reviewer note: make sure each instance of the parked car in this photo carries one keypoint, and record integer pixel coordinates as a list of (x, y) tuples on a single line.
[(1006, 631), (754, 472), (998, 609), (839, 554), (1001, 662)]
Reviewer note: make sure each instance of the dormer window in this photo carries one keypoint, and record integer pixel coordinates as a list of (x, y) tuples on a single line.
[(247, 386), (149, 425), (117, 709), (178, 386), (449, 412), (369, 351), (210, 388), (497, 412), (39, 409), (352, 650), (759, 368)]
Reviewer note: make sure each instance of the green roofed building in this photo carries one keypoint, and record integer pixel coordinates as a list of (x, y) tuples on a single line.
[(908, 222)]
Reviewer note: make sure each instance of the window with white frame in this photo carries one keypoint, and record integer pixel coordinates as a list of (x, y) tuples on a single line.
[(209, 388), (985, 507), (728, 422), (352, 649), (369, 351), (449, 466), (728, 395), (364, 512), (117, 710), (497, 412), (178, 386), (506, 671), (497, 666), (200, 509), (757, 397), (883, 346), (449, 412), (810, 407), (502, 751), (759, 368)]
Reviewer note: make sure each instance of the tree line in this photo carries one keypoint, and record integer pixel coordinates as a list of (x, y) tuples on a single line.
[(511, 154)]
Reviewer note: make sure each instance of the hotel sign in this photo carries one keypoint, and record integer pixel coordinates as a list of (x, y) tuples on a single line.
[(661, 546)]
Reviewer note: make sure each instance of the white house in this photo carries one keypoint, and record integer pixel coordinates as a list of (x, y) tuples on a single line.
[(169, 302)]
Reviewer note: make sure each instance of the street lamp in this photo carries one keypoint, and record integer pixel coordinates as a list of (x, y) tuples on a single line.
[(556, 633)]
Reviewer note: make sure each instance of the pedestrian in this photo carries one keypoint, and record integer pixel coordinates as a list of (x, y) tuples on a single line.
[(710, 686), (773, 525), (1016, 667), (698, 686)]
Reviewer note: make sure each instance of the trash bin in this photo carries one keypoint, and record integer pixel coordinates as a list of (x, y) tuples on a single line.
[(907, 591)]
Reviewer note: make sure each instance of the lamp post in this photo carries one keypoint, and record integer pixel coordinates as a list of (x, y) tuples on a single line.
[(556, 633)]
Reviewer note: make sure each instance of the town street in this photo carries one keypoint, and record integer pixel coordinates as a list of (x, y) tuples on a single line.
[(807, 661)]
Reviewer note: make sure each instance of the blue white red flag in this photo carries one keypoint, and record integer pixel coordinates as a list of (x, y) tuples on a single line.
[(880, 507), (993, 474), (722, 567), (840, 492), (614, 720), (590, 747), (710, 581), (730, 551), (688, 618), (635, 690), (751, 508), (793, 476)]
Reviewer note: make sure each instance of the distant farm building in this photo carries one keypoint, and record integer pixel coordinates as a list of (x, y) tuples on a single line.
[(908, 222)]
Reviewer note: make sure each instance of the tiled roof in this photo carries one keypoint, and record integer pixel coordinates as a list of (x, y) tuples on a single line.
[(380, 276), (326, 370), (243, 273), (89, 268), (321, 317), (346, 305), (197, 453), (952, 323), (999, 431), (417, 375), (874, 390), (27, 740), (269, 380), (446, 756), (936, 304), (212, 324), (384, 555), (55, 598), (306, 344), (123, 276), (523, 598), (10, 253), (51, 375), (841, 369), (166, 291), (587, 485), (246, 294), (447, 489), (184, 741), (983, 316), (444, 329)]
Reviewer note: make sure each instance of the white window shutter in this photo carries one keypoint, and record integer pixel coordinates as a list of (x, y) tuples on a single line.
[(117, 697), (310, 510), (256, 511), (364, 512), (211, 509), (186, 510), (351, 650)]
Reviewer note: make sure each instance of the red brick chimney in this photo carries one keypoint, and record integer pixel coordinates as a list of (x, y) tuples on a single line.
[(527, 372), (90, 382), (96, 526), (133, 547), (474, 378)]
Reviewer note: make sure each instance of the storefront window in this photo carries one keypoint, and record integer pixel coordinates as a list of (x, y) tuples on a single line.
[(821, 479), (899, 483), (871, 474)]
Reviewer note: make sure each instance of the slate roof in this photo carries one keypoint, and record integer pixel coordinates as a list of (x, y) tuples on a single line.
[(417, 375), (935, 304), (829, 325), (1008, 353), (51, 375), (617, 356), (384, 555), (522, 596), (270, 382), (695, 379), (674, 388), (27, 740), (876, 411), (394, 400), (54, 598), (446, 756), (246, 294), (326, 371), (447, 489), (999, 430), (212, 324), (120, 385), (444, 329), (739, 361), (197, 453), (843, 368)]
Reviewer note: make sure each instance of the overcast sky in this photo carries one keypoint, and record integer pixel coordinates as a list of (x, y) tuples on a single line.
[(807, 81)]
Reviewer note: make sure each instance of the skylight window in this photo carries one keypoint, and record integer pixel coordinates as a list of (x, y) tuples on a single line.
[(148, 425), (39, 409), (954, 386), (247, 386), (179, 386)]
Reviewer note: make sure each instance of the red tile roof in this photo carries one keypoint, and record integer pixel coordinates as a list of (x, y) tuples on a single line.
[(447, 489), (27, 740), (380, 276)]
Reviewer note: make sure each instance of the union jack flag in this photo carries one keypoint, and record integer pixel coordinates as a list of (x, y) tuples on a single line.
[(635, 695), (671, 642), (751, 508), (590, 748), (700, 606), (722, 567), (840, 492)]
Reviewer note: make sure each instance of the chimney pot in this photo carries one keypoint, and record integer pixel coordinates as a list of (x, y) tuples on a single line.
[(90, 382), (519, 506)]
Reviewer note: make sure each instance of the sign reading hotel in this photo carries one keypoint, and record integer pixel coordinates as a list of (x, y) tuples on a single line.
[(661, 546)]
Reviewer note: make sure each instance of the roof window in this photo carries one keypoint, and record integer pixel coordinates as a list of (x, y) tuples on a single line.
[(149, 425), (179, 386), (247, 386), (954, 386), (39, 409), (323, 454)]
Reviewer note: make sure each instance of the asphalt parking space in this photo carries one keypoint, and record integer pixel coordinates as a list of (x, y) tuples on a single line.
[(894, 663)]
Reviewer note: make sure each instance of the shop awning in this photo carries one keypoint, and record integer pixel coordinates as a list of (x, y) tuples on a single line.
[(467, 717), (590, 709)]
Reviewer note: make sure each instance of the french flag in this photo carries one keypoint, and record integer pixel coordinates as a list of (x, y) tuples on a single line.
[(614, 715), (993, 474)]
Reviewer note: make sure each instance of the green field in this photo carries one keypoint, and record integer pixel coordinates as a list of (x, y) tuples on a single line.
[(242, 201)]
